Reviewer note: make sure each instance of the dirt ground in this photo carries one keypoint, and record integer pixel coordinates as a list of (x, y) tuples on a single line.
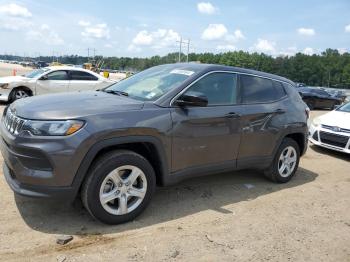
[(227, 217)]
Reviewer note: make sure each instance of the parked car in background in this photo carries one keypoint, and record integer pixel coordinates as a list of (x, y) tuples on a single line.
[(338, 94), (318, 98), (159, 126), (300, 84), (49, 80), (332, 130)]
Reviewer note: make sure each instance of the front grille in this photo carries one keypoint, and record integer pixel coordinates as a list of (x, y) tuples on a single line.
[(13, 123), (336, 129), (333, 139)]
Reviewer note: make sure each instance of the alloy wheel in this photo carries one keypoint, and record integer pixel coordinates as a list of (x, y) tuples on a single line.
[(123, 190), (287, 161)]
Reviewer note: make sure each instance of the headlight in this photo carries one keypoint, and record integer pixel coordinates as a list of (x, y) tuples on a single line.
[(4, 86), (52, 128), (316, 122)]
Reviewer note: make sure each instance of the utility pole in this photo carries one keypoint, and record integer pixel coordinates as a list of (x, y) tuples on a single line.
[(180, 48), (188, 49), (179, 60), (88, 53), (94, 53)]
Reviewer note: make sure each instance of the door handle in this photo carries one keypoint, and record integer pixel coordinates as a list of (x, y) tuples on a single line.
[(280, 111), (232, 115)]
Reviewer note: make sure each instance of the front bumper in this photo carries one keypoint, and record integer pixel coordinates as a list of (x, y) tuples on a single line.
[(316, 138), (59, 193), (5, 94), (42, 166)]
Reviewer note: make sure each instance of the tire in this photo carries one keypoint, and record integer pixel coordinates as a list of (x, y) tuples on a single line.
[(101, 183), (273, 172), (18, 93)]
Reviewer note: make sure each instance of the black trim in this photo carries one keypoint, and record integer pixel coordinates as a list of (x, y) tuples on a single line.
[(96, 148)]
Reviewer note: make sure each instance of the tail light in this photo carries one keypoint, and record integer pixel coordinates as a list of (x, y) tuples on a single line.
[(307, 112)]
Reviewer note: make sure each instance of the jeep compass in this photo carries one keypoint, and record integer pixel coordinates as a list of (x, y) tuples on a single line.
[(158, 127)]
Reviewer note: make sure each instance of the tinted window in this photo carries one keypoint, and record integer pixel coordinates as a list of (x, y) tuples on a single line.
[(57, 75), (260, 90), (219, 88), (80, 75), (320, 92), (280, 92)]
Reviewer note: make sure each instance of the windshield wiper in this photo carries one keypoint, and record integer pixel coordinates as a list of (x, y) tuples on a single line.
[(116, 92)]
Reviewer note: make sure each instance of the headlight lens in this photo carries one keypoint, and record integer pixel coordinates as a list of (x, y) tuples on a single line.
[(52, 128), (316, 122), (4, 86)]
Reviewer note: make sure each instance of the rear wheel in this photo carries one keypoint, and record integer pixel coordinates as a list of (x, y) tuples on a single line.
[(19, 93), (119, 186), (285, 163)]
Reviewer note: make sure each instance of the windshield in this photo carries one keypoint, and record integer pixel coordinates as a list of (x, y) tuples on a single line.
[(345, 108), (36, 73), (152, 83)]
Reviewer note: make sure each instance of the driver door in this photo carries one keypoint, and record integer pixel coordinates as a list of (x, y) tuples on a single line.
[(207, 135), (53, 82)]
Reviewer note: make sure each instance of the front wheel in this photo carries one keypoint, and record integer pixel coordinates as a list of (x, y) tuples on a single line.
[(119, 186), (285, 163), (18, 93)]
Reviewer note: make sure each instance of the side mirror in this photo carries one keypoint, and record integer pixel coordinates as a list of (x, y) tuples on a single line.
[(44, 77), (192, 99)]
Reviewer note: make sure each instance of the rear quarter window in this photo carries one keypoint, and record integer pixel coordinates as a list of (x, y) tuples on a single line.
[(260, 90)]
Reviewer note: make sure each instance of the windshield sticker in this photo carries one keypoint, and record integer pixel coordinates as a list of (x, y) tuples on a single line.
[(150, 95), (182, 72)]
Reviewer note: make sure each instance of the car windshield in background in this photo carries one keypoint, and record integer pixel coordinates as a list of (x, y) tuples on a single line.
[(36, 73), (344, 108), (152, 83)]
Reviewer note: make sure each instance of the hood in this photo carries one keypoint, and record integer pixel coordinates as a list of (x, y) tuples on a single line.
[(72, 105), (336, 118), (13, 79)]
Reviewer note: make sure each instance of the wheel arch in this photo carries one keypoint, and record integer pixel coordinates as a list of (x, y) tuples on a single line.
[(26, 88), (149, 147)]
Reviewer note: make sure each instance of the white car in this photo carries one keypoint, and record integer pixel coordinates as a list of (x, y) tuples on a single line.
[(332, 130), (49, 80)]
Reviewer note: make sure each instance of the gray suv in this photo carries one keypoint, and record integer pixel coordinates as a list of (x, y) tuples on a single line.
[(158, 127)]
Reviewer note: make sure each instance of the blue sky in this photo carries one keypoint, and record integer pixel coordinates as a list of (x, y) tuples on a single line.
[(145, 28)]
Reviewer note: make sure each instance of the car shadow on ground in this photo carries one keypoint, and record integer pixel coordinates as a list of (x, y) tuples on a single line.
[(329, 152), (169, 203)]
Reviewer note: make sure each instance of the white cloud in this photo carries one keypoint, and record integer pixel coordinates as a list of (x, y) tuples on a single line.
[(206, 8), (143, 38), (308, 51), (157, 39), (83, 23), (237, 35), (214, 32), (98, 31), (108, 45), (306, 31), (45, 34), (14, 23), (15, 10), (342, 50), (265, 46), (225, 48), (347, 28), (289, 51)]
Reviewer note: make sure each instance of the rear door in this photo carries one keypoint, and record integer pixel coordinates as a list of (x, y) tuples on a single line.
[(207, 135), (53, 82), (263, 110), (82, 81)]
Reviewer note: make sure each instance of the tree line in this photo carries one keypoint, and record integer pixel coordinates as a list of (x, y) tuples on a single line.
[(330, 68)]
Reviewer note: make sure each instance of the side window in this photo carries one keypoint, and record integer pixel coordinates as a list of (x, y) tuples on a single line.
[(260, 90), (57, 75), (80, 75), (280, 92), (219, 88)]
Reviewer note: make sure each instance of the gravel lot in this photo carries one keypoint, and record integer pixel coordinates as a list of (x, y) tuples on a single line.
[(227, 217)]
